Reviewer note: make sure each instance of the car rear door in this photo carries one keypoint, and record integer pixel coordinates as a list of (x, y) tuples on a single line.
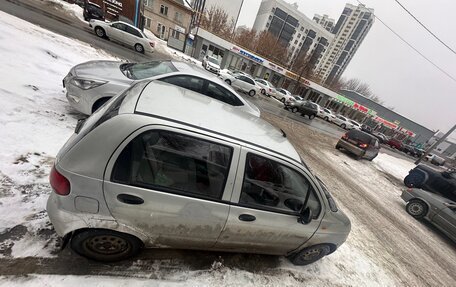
[(267, 197), (116, 30), (172, 185), (445, 219)]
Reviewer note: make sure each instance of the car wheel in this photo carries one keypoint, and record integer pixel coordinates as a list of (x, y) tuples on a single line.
[(228, 82), (414, 179), (100, 32), (326, 119), (98, 104), (311, 117), (343, 126), (252, 93), (282, 100), (294, 110), (310, 254), (105, 245), (338, 146), (139, 48), (263, 92), (416, 208)]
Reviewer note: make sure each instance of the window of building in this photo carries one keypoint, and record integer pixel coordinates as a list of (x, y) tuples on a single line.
[(161, 30), (164, 10), (302, 29), (149, 3), (175, 163), (296, 42), (147, 22), (178, 17)]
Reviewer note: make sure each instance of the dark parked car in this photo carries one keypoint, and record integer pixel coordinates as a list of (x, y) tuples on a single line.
[(436, 209), (359, 143), (432, 180), (308, 109), (381, 137), (366, 128), (394, 143), (418, 152), (92, 11), (408, 149)]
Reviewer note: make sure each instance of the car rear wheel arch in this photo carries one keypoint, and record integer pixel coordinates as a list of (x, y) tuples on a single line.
[(100, 32), (139, 48), (417, 208)]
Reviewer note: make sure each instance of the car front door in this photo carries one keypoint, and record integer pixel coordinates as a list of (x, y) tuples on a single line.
[(445, 219), (170, 185), (116, 31), (268, 195)]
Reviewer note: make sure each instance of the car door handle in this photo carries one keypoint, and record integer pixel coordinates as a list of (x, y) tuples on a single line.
[(130, 199), (247, 217)]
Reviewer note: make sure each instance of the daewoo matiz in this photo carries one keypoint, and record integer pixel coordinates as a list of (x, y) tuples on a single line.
[(163, 166)]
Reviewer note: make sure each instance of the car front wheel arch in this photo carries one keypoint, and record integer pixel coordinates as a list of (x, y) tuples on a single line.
[(311, 254), (100, 102)]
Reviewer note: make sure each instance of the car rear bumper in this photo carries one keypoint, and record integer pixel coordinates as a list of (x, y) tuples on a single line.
[(63, 221), (351, 148)]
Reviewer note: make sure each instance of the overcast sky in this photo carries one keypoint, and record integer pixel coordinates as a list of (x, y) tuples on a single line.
[(397, 74)]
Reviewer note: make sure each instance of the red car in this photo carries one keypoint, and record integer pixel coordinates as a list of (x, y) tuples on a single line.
[(394, 143)]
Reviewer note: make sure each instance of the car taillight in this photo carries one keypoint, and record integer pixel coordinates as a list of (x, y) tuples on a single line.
[(59, 183), (152, 44), (363, 145), (270, 90)]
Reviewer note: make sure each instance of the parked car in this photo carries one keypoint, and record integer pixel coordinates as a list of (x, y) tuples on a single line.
[(326, 114), (211, 64), (89, 85), (381, 137), (365, 128), (419, 152), (408, 149), (148, 170), (436, 209), (394, 143), (92, 11), (432, 180), (292, 104), (359, 143), (355, 125), (343, 122), (307, 108), (267, 88), (123, 33), (283, 95), (245, 84)]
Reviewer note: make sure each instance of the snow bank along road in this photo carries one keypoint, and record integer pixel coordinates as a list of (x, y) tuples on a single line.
[(386, 247)]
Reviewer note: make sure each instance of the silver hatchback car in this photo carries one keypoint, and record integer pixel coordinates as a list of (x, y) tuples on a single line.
[(163, 166)]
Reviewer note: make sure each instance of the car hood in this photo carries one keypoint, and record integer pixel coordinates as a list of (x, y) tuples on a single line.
[(213, 65), (103, 70)]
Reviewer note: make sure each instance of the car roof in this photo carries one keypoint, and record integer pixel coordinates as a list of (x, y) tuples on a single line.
[(199, 111)]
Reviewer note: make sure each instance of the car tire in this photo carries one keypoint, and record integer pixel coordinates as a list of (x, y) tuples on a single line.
[(415, 179), (263, 91), (282, 100), (100, 32), (310, 254), (294, 110), (311, 117), (228, 82), (343, 126), (326, 119), (338, 147), (139, 48), (416, 208), (252, 93), (105, 245), (98, 104)]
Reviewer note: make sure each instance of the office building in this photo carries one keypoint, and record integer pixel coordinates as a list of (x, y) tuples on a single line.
[(324, 21)]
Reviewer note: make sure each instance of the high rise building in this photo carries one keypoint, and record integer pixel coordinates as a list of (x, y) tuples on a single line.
[(350, 31), (324, 21), (293, 29), (231, 7)]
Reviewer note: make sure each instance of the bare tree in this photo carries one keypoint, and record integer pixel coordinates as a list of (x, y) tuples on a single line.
[(216, 20), (267, 45), (246, 38), (360, 87)]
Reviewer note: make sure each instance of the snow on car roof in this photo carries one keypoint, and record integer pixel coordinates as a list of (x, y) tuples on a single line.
[(194, 109)]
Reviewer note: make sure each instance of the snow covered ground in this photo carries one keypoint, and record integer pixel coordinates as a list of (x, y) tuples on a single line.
[(35, 122)]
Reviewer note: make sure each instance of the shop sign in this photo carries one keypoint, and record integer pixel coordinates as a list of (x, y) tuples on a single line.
[(179, 29), (114, 2), (113, 7), (291, 75), (275, 68), (385, 122), (355, 105), (247, 55)]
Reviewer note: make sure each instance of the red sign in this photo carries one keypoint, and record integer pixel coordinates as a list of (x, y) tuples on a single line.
[(385, 122)]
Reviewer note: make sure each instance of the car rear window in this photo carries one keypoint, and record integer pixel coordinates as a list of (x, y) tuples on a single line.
[(139, 71), (359, 136)]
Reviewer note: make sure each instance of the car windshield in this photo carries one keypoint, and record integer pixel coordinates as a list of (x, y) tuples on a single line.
[(298, 98), (213, 60), (139, 71), (355, 123)]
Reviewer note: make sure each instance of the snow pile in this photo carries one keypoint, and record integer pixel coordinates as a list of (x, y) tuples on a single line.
[(35, 122), (73, 9), (394, 166)]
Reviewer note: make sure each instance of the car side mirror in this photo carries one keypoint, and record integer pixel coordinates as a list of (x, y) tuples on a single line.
[(306, 216), (446, 174)]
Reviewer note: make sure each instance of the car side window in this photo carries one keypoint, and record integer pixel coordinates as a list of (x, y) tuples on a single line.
[(250, 81), (220, 93), (119, 26), (272, 185), (133, 31), (188, 82), (176, 163)]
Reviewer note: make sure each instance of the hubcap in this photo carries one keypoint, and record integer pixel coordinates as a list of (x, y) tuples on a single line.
[(139, 48), (107, 244), (99, 32), (416, 208), (311, 254)]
